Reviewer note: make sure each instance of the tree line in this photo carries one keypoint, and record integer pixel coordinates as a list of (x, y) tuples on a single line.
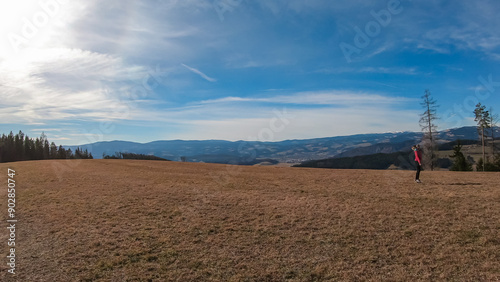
[(21, 147), (132, 156)]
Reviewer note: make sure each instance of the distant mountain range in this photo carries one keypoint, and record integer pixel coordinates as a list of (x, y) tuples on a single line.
[(289, 151)]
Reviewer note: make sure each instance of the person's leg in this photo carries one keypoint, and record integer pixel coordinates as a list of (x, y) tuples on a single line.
[(417, 176)]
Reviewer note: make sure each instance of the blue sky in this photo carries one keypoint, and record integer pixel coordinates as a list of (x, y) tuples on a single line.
[(269, 70)]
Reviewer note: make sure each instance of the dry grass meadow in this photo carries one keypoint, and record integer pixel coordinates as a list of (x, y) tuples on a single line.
[(118, 220)]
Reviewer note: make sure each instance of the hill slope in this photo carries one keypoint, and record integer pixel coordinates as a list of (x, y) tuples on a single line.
[(401, 159), (117, 220)]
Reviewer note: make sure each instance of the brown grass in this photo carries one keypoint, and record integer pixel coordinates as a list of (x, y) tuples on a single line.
[(118, 220)]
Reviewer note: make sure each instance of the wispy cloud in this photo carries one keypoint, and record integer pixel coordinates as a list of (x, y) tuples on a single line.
[(198, 72), (468, 26), (64, 84), (369, 69), (328, 97)]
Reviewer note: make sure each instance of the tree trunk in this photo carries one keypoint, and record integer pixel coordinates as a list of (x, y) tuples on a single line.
[(492, 140), (484, 159), (430, 136)]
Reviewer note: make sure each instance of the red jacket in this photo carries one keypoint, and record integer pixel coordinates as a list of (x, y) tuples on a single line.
[(418, 156)]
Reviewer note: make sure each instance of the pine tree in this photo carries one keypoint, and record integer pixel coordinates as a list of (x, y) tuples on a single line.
[(496, 161), (482, 117), (43, 147), (9, 147), (38, 149), (2, 148), (480, 165), (18, 145), (460, 163), (61, 153), (69, 154), (27, 148), (46, 149), (86, 154), (429, 128), (53, 150)]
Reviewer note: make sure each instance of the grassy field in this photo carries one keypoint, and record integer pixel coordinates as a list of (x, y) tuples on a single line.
[(120, 220)]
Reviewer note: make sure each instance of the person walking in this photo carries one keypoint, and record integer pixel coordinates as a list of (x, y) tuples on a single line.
[(418, 161)]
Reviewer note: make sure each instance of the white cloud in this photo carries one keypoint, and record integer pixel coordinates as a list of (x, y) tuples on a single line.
[(198, 72), (62, 84)]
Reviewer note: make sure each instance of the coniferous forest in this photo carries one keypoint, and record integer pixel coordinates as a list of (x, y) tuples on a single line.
[(21, 147)]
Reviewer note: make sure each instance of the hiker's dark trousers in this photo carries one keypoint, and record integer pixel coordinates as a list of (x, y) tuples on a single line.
[(417, 176)]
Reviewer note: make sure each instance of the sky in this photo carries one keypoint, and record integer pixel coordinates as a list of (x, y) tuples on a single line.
[(83, 71)]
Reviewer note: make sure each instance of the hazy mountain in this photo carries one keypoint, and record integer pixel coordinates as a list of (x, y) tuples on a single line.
[(284, 151)]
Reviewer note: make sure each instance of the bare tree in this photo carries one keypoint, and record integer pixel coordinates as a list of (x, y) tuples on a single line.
[(482, 117), (429, 128)]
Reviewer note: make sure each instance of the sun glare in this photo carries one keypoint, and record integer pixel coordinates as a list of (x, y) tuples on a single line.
[(12, 12), (25, 24)]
